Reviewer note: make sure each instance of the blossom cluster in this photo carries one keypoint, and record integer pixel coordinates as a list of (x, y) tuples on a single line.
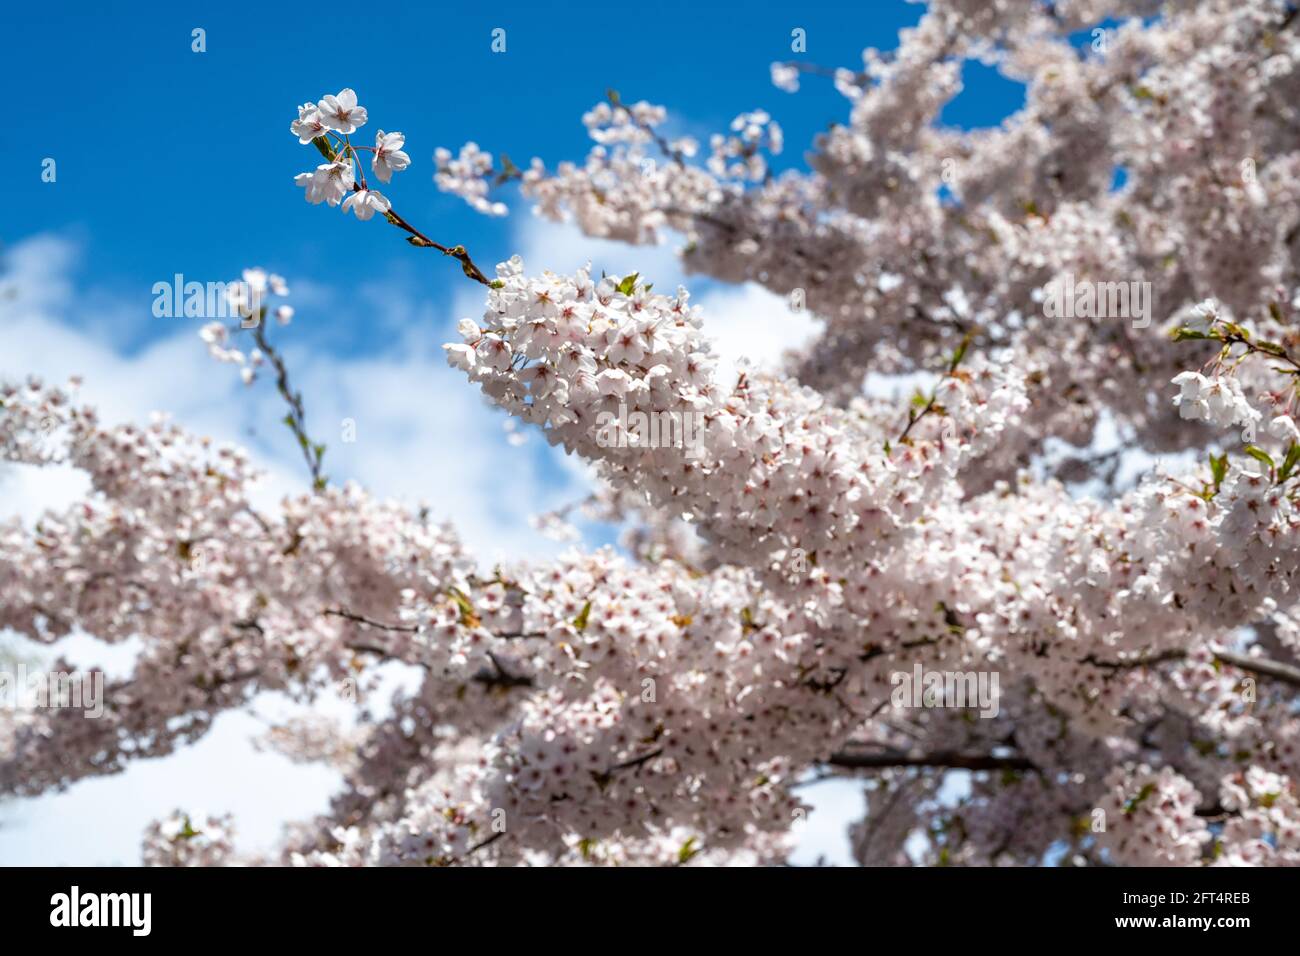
[(329, 124), (1156, 811), (466, 175), (1219, 401), (739, 156), (185, 840)]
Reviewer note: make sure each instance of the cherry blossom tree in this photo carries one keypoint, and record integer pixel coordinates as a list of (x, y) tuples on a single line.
[(1096, 505)]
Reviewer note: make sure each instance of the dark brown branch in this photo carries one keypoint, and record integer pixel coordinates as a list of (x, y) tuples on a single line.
[(1261, 665), (942, 759), (358, 619), (500, 677), (416, 237), (635, 761), (488, 842), (1175, 654), (877, 650), (1277, 670)]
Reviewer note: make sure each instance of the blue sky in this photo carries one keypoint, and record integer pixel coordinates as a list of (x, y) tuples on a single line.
[(171, 161), (174, 161)]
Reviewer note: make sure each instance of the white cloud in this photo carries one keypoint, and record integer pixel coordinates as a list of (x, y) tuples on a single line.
[(421, 433), (562, 248), (99, 822), (749, 322)]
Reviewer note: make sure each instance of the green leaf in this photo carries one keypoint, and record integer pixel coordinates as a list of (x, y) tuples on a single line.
[(688, 850), (1272, 348), (628, 285), (326, 150), (960, 353), (1183, 333), (580, 622), (1288, 465), (1146, 791), (508, 170), (1259, 454), (462, 603), (1219, 469)]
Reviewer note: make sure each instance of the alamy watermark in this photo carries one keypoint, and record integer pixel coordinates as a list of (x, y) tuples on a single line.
[(52, 690), (922, 688), (666, 429), (236, 299), (75, 908), (1085, 299)]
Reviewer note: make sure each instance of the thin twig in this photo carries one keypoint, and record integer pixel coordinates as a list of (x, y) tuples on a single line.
[(359, 619), (635, 761), (674, 154), (312, 452), (416, 238), (488, 842)]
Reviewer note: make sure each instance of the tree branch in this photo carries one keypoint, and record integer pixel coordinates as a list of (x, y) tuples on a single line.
[(944, 759), (312, 452), (1263, 666), (416, 237), (358, 619)]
